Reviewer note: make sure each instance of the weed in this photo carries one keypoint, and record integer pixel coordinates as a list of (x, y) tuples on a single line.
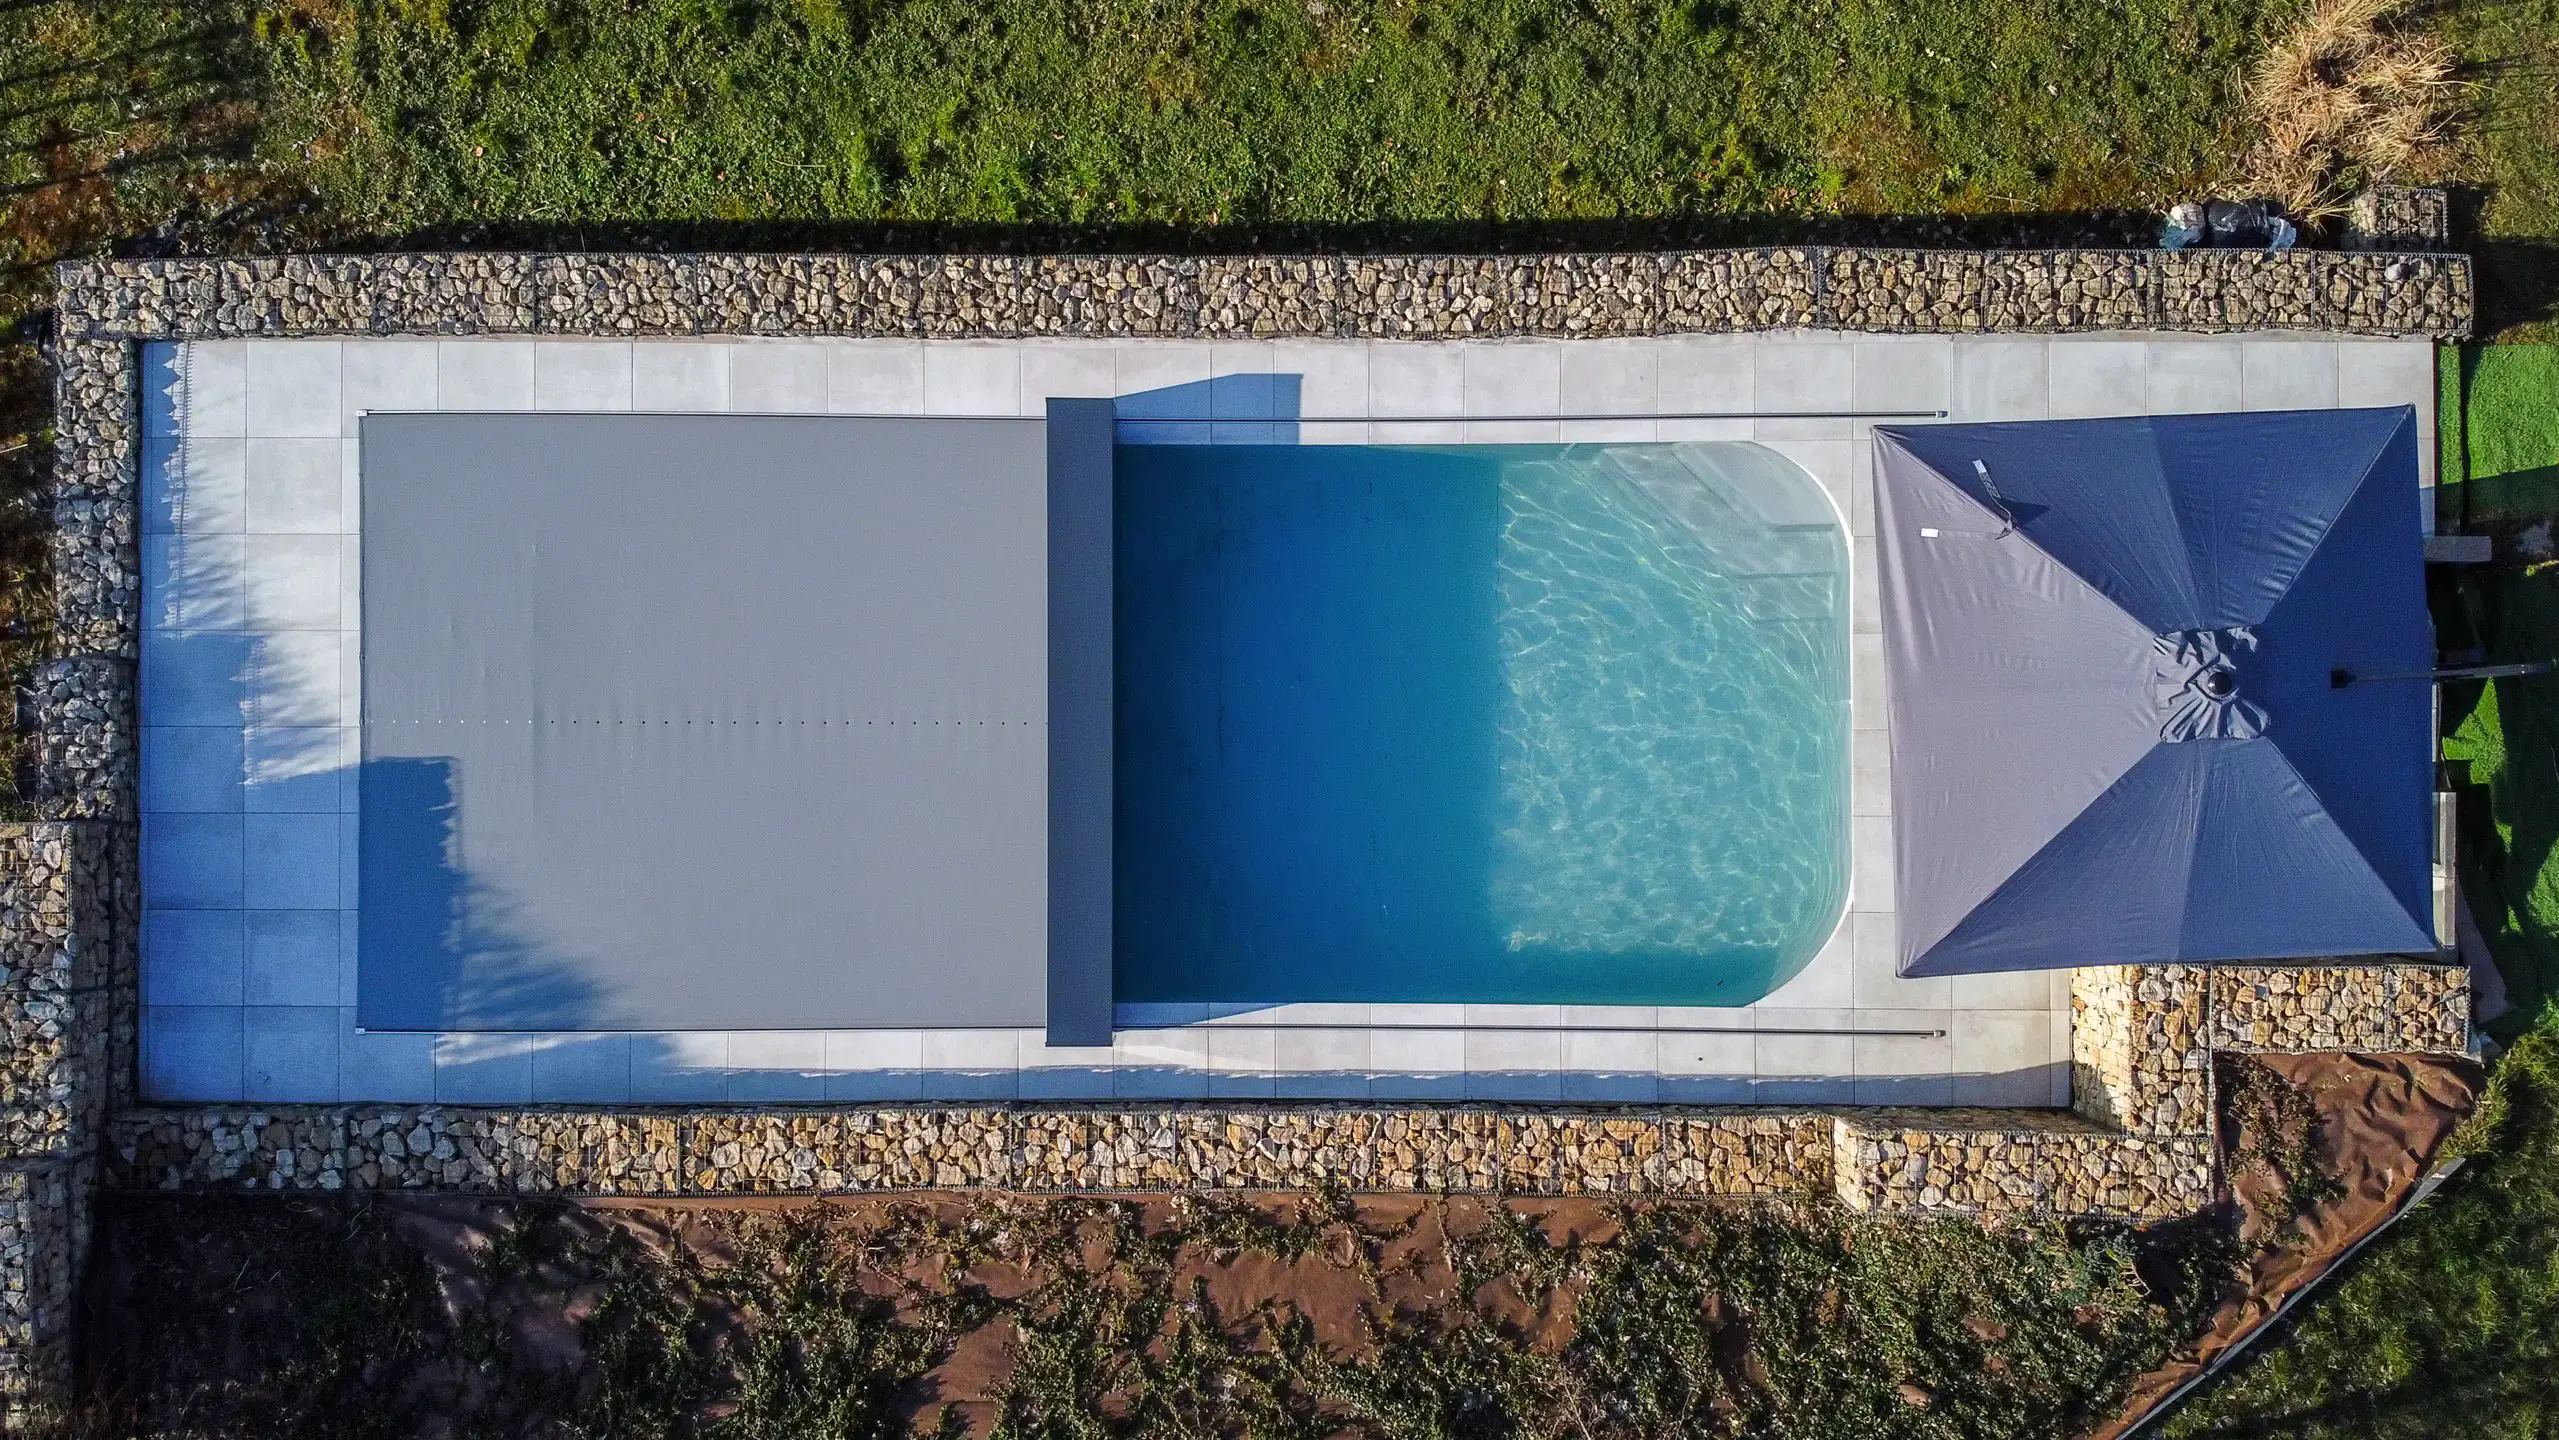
[(2280, 1135)]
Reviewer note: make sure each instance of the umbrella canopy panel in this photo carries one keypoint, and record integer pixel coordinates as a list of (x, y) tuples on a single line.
[(2110, 648)]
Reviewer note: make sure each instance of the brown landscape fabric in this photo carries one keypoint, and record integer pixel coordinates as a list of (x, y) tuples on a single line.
[(2381, 1118), (1413, 1272)]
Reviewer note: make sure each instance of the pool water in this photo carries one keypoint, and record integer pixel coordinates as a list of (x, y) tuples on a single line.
[(1500, 723)]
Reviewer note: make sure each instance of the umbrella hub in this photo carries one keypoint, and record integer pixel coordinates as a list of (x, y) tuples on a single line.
[(2198, 679)]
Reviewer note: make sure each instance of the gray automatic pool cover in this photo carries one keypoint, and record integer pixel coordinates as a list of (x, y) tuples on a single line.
[(732, 722)]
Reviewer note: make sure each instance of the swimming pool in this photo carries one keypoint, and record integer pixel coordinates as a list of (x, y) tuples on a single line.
[(1497, 723)]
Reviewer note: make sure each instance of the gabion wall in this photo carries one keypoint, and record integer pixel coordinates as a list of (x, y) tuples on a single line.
[(1398, 297), (66, 1031), (822, 1151)]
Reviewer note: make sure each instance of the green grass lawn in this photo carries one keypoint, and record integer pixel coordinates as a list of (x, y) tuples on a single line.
[(1199, 121), (1247, 112), (278, 123), (2451, 1326)]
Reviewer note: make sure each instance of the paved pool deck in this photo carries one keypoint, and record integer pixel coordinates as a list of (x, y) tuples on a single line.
[(250, 532)]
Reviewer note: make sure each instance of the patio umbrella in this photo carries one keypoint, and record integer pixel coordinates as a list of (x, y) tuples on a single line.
[(2113, 650)]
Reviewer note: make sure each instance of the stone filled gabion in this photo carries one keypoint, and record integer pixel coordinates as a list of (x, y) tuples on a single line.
[(2398, 217), (1076, 1148), (2142, 1039), (2101, 1056), (619, 294), (1990, 1161), (2405, 291), (1743, 1154), (97, 592), (457, 293), (1583, 1154), (448, 294), (57, 968), (1584, 294), (1428, 297), (2376, 1008), (868, 1150), (369, 1148), (2240, 289), (65, 954), (2069, 290), (1295, 1149), (82, 712), (1386, 297), (122, 878), (1733, 290), (46, 1213), (2139, 1057), (1919, 290), (2013, 1163)]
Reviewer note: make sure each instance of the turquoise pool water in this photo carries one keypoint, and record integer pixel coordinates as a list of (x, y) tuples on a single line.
[(1538, 724)]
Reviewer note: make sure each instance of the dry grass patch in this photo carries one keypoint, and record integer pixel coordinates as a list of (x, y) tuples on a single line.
[(2349, 96)]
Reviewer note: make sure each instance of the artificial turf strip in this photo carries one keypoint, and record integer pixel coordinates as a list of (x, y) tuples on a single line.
[(1225, 112), (2509, 409), (2501, 473), (2508, 740)]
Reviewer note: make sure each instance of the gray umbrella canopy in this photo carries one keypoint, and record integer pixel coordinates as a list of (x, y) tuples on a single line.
[(2109, 647)]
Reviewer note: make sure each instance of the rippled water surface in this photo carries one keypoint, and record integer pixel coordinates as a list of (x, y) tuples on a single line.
[(1482, 723)]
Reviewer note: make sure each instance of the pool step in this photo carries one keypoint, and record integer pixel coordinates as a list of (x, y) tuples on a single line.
[(1738, 514), (1749, 523)]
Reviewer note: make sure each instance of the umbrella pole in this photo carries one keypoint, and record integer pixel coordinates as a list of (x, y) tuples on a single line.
[(2340, 679)]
